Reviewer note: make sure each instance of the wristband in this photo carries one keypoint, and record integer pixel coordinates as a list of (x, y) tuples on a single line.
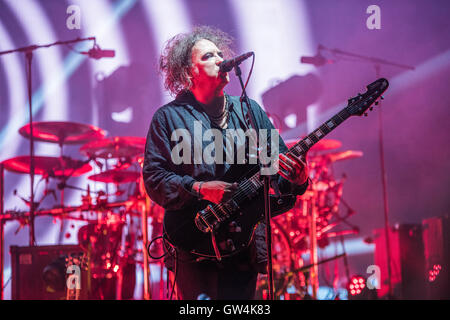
[(199, 188)]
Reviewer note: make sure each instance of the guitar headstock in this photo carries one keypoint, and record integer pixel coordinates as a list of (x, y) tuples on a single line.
[(358, 105)]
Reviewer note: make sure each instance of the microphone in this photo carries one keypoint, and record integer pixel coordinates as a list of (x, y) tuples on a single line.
[(227, 65), (318, 60), (98, 53)]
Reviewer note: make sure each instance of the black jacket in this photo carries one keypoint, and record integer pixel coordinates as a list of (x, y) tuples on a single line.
[(168, 184)]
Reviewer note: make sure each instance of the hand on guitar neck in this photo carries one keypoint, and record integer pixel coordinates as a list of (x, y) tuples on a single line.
[(215, 191), (294, 168)]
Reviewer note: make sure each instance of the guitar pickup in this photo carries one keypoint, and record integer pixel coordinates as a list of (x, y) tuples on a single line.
[(234, 205)]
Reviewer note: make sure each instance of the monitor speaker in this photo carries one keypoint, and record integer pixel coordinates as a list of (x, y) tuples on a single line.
[(436, 240), (407, 262), (41, 273)]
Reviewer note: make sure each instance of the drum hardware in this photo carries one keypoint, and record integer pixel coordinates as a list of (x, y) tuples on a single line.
[(125, 151), (116, 176), (62, 132), (317, 208), (53, 167), (114, 147), (291, 234), (56, 132)]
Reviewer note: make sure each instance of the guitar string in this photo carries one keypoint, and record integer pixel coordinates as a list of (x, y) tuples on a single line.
[(244, 188), (240, 194), (247, 185)]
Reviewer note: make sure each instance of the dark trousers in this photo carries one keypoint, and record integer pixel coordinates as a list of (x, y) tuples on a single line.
[(228, 280)]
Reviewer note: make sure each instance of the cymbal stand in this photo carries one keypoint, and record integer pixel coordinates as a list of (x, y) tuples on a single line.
[(64, 180), (2, 176), (312, 217), (377, 63), (145, 209), (63, 177), (29, 56), (28, 50)]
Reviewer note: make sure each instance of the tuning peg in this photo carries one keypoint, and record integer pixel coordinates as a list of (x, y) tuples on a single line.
[(376, 103), (371, 108), (382, 97), (365, 114)]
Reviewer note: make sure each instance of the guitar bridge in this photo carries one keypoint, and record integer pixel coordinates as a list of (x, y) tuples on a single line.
[(208, 219), (201, 223)]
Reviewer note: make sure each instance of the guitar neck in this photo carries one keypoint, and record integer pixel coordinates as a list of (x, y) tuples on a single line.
[(310, 140), (252, 184)]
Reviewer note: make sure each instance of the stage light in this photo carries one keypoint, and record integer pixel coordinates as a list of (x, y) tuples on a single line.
[(432, 274), (357, 289)]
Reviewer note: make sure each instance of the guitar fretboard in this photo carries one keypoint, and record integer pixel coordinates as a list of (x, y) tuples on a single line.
[(305, 144), (251, 186)]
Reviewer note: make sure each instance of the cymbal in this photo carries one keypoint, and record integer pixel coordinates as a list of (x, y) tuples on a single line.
[(344, 155), (116, 176), (48, 166), (62, 132), (324, 144), (114, 147)]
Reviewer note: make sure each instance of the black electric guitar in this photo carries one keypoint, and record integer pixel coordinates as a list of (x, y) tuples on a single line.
[(224, 229)]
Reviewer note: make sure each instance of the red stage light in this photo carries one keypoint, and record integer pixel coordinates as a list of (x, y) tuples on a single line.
[(432, 274), (356, 284)]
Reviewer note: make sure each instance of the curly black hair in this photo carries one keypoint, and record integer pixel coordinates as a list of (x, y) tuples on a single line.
[(175, 61)]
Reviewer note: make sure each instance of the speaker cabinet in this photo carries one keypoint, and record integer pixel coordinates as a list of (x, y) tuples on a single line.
[(40, 272), (436, 240), (407, 262)]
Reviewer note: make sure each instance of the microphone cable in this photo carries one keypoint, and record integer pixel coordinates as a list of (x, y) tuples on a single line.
[(168, 248)]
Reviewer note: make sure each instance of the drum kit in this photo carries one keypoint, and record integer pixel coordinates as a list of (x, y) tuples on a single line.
[(309, 225), (112, 235)]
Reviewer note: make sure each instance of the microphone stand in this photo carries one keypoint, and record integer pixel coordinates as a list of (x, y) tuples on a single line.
[(28, 50), (266, 180), (2, 224), (376, 62)]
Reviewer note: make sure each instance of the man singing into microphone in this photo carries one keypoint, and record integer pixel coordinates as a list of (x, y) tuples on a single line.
[(190, 64)]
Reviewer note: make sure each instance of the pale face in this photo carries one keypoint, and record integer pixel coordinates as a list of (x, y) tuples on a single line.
[(206, 58)]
